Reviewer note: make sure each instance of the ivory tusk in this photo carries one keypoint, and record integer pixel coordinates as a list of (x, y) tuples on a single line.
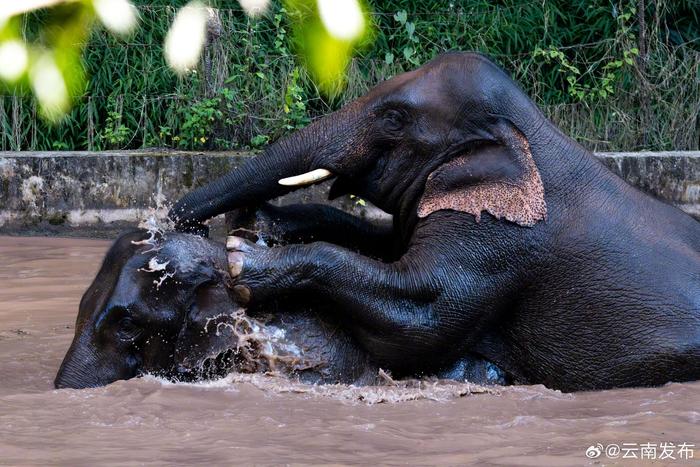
[(307, 178)]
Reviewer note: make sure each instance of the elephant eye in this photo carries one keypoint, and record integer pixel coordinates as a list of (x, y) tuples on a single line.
[(128, 330), (393, 120)]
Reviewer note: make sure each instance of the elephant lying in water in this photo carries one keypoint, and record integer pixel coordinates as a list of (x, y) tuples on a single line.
[(161, 306), (509, 240)]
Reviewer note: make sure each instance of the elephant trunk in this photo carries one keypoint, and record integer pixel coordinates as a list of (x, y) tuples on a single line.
[(273, 173), (77, 371), (82, 368)]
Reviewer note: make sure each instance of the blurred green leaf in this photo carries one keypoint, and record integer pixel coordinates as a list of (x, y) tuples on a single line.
[(324, 55)]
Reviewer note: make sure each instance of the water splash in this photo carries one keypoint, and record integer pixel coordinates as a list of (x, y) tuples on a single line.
[(390, 393), (256, 347), (156, 223), (154, 265)]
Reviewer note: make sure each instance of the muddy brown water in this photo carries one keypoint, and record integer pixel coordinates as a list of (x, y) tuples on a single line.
[(262, 419)]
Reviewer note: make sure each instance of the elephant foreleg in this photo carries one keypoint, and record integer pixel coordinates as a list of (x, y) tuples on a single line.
[(401, 312)]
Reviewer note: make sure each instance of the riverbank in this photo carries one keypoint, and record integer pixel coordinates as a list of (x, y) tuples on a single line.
[(98, 194)]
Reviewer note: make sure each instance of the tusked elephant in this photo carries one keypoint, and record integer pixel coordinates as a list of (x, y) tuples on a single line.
[(509, 239), (160, 305)]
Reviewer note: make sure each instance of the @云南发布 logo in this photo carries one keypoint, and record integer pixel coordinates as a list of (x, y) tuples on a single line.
[(594, 451), (666, 450)]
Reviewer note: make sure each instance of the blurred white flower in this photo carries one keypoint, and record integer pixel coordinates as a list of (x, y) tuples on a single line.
[(254, 7), (119, 16), (48, 86), (342, 18), (13, 60), (185, 39)]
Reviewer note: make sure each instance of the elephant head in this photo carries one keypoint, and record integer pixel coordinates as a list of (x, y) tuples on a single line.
[(149, 298), (452, 134)]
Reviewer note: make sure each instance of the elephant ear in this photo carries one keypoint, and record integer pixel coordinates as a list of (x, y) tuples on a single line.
[(499, 177), (208, 328)]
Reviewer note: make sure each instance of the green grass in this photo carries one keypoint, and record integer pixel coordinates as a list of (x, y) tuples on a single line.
[(576, 60)]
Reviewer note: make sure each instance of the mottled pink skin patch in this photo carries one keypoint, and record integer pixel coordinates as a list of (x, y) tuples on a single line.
[(520, 201)]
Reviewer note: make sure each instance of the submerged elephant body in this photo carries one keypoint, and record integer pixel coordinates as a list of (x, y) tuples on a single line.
[(509, 239), (160, 305)]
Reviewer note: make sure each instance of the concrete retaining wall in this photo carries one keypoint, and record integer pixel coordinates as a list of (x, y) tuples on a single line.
[(100, 193)]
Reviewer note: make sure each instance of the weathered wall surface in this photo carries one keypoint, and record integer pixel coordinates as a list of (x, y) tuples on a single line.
[(100, 193), (670, 176)]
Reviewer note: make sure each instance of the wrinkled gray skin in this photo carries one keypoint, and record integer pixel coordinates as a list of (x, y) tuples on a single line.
[(603, 291), (182, 328)]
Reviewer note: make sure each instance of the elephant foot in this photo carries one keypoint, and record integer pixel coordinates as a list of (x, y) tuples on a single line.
[(476, 370)]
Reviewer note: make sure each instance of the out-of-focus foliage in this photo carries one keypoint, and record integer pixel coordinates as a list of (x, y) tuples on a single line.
[(43, 48), (580, 61), (326, 49), (49, 63), (52, 68)]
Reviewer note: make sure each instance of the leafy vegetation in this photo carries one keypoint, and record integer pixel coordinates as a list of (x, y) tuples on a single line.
[(583, 62)]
